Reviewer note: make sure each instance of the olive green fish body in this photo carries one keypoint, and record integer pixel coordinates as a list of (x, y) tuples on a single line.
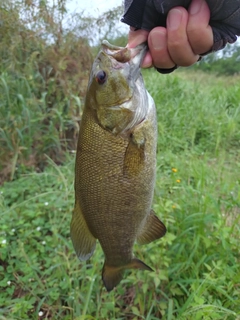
[(115, 168)]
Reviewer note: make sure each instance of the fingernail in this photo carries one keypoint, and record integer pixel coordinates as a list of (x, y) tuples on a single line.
[(174, 19), (157, 40), (195, 6)]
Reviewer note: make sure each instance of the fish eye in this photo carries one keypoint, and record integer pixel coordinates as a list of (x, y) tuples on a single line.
[(101, 77)]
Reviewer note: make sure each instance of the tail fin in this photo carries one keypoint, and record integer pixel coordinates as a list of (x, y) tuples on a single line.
[(111, 276)]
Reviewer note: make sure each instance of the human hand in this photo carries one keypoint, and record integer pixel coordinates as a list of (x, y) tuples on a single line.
[(186, 36)]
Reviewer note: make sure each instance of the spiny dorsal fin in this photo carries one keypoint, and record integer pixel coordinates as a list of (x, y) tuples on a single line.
[(83, 241), (152, 230), (111, 276)]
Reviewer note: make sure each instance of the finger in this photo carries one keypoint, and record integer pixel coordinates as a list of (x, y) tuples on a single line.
[(157, 42), (147, 61), (179, 47), (136, 37), (199, 32)]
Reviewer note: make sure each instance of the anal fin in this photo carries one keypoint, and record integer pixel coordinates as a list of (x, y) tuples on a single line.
[(153, 229), (83, 241)]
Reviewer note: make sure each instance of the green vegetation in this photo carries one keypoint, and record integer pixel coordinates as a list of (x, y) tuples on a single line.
[(225, 62), (45, 58), (197, 196), (43, 78)]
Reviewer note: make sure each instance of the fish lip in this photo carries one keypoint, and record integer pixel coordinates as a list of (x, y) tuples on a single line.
[(112, 49), (120, 54), (133, 56)]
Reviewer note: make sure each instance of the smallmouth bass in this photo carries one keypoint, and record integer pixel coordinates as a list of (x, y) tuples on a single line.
[(115, 164)]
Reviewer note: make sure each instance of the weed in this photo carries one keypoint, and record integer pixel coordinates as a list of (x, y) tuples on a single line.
[(197, 196)]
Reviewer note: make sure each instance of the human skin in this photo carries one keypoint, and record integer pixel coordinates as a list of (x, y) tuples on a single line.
[(187, 35)]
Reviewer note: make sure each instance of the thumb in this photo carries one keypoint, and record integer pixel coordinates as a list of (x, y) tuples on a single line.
[(136, 37)]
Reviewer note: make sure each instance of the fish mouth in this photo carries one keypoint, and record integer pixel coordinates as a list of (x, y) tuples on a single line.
[(137, 55), (133, 56), (120, 54)]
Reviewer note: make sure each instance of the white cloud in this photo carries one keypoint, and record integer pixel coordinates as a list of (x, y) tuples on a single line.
[(92, 7)]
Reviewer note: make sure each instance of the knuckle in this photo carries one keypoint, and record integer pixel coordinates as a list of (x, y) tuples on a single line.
[(163, 61), (184, 58)]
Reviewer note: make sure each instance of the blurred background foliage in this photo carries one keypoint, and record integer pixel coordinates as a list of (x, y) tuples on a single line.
[(225, 62), (45, 56)]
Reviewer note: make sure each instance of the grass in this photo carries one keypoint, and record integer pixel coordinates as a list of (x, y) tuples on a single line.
[(197, 195)]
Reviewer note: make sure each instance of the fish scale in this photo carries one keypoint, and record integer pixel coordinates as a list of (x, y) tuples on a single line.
[(115, 164)]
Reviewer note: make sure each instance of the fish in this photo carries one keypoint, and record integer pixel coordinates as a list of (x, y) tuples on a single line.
[(115, 165)]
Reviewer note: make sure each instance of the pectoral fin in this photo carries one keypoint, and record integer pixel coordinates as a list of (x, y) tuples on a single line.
[(83, 241), (135, 151), (152, 230), (139, 135), (134, 159)]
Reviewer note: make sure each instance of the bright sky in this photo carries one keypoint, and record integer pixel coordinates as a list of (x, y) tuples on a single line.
[(93, 7)]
